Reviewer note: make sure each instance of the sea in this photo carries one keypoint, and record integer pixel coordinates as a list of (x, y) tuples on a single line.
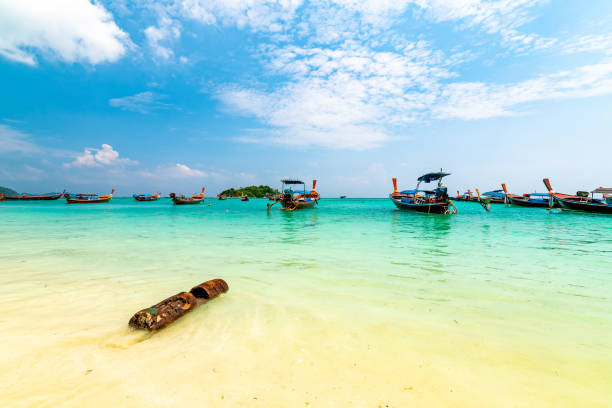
[(351, 304)]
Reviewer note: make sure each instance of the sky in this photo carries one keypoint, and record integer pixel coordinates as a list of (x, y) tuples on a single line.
[(174, 95)]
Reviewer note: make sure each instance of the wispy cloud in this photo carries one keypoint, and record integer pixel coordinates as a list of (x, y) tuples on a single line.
[(143, 102), (477, 100), (69, 30), (589, 43), (12, 140)]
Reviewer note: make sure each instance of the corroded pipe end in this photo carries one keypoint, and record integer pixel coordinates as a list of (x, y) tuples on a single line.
[(210, 289), (165, 312)]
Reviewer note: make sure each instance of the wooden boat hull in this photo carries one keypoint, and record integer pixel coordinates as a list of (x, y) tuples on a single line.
[(84, 201), (186, 201), (429, 208), (575, 205), (146, 198), (42, 198), (297, 205), (527, 203)]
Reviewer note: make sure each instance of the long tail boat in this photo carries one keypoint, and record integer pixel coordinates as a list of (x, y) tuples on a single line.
[(147, 197), (580, 201), (40, 197), (181, 200), (2, 197), (467, 196), (221, 197), (89, 198), (292, 200), (427, 201), (243, 197), (528, 199), (494, 196)]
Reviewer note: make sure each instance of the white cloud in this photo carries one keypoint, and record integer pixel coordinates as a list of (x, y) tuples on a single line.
[(182, 170), (106, 156), (344, 98), (143, 102), (259, 15), (589, 43), (477, 100), (166, 30), (69, 30), (502, 17)]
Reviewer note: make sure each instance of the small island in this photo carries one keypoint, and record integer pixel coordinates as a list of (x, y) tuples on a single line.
[(8, 192), (250, 191)]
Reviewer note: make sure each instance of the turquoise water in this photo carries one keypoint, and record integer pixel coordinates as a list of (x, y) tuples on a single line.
[(511, 305)]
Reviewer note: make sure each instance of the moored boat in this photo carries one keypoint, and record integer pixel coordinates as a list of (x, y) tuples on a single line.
[(221, 197), (41, 197), (147, 197), (2, 197), (244, 197), (427, 201), (88, 198), (541, 200), (292, 200), (181, 200), (581, 201), (467, 196), (494, 196)]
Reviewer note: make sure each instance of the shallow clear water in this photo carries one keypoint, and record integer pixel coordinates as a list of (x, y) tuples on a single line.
[(353, 303)]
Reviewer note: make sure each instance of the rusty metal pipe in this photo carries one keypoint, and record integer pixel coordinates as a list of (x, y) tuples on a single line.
[(209, 289), (168, 310)]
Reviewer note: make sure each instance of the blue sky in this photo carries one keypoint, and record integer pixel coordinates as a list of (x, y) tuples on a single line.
[(174, 95)]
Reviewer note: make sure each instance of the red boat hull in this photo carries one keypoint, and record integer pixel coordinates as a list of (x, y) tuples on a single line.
[(85, 201)]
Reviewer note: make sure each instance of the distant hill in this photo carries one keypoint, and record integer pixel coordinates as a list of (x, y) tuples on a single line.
[(8, 192), (251, 191)]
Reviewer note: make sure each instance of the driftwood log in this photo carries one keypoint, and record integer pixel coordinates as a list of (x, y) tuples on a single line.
[(168, 310)]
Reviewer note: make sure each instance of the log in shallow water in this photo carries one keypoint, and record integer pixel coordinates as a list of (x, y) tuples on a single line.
[(168, 310)]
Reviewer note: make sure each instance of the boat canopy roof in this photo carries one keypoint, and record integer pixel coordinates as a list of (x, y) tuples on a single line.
[(300, 192), (538, 194), (292, 181), (602, 190), (417, 191), (429, 177), (493, 192)]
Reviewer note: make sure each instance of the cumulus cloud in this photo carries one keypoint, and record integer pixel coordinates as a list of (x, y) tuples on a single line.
[(69, 30), (106, 156), (143, 102)]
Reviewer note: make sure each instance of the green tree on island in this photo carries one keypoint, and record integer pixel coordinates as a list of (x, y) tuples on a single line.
[(251, 191)]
